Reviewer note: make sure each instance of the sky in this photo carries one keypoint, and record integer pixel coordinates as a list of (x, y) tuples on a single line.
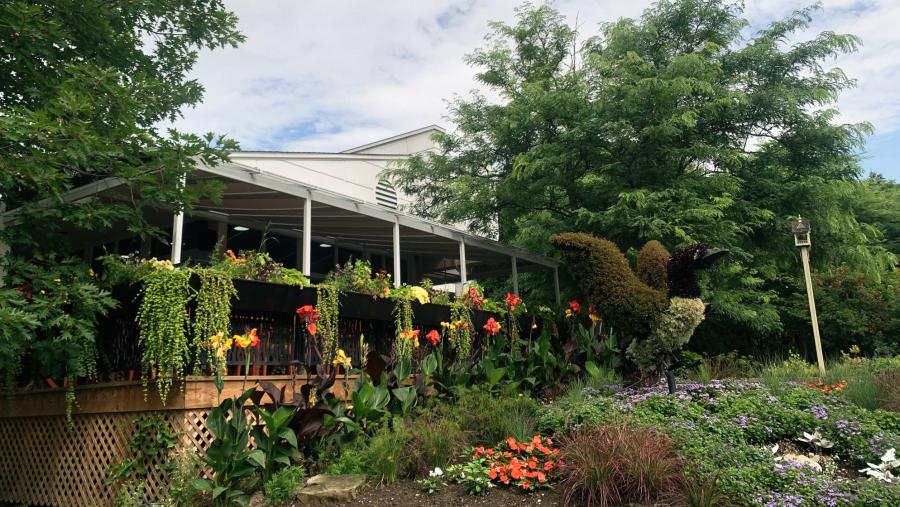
[(329, 75)]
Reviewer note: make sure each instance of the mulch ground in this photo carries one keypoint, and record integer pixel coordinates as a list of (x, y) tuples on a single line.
[(409, 494)]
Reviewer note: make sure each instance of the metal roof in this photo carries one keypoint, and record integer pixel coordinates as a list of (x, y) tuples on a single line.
[(370, 232)]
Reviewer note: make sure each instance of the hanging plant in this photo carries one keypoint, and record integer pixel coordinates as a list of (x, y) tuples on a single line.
[(212, 315), (163, 323), (460, 329), (327, 328)]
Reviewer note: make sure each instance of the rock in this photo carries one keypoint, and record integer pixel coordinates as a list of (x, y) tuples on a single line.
[(324, 489), (257, 500), (803, 460)]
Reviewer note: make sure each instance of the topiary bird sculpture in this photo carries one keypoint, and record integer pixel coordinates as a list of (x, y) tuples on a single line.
[(656, 309)]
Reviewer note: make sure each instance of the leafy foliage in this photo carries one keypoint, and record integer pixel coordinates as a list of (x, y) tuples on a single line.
[(150, 446), (675, 126), (82, 88)]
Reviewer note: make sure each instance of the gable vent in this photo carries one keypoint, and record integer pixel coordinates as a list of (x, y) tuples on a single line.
[(385, 194)]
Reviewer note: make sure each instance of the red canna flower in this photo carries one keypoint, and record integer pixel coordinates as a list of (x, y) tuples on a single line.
[(433, 337), (492, 327), (575, 306), (512, 301)]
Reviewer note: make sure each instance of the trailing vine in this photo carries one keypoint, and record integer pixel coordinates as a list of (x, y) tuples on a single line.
[(212, 315), (163, 324), (461, 329), (327, 303)]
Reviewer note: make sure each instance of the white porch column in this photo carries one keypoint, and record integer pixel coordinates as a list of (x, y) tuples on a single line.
[(463, 276), (515, 276), (556, 285), (396, 252), (178, 231), (307, 234)]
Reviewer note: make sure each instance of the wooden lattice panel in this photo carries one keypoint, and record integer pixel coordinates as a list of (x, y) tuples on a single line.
[(44, 462)]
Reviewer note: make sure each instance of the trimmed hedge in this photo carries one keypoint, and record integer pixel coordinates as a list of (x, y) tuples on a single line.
[(609, 283), (651, 265)]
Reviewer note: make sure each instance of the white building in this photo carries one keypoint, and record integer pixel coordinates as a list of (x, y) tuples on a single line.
[(314, 211)]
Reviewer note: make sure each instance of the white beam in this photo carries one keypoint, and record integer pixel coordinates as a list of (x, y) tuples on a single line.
[(463, 276), (556, 286), (307, 234), (396, 253), (515, 276)]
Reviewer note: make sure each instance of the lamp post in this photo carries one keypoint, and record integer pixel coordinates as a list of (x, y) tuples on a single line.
[(800, 228)]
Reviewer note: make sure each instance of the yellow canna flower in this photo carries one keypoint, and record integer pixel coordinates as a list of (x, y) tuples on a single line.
[(594, 317)]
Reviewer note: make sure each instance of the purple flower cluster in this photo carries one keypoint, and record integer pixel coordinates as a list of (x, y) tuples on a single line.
[(819, 412)]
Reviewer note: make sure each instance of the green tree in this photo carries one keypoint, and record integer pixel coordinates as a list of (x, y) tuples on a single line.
[(83, 85), (674, 127)]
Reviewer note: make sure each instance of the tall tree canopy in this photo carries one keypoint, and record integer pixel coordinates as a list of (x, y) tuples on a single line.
[(82, 86), (677, 126)]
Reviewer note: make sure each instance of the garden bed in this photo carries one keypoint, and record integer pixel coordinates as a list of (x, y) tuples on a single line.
[(409, 494)]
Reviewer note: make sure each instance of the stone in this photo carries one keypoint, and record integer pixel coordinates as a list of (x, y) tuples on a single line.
[(803, 460), (325, 489)]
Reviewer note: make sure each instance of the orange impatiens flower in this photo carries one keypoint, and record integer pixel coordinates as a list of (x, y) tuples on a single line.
[(520, 463)]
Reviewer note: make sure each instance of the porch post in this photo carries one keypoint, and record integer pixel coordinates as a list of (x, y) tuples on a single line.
[(307, 233), (515, 276), (556, 285), (463, 276), (397, 252), (177, 232), (222, 233)]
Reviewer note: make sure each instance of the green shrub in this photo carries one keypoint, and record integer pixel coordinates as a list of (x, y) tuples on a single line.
[(187, 466), (280, 488), (385, 452), (434, 442), (351, 459), (130, 494), (491, 418), (651, 265)]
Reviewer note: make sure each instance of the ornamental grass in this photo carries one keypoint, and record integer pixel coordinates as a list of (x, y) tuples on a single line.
[(619, 464)]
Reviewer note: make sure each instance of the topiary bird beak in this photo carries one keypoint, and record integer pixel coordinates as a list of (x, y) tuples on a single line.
[(711, 256)]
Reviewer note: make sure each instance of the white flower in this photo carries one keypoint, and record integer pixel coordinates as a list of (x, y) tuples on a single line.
[(775, 449), (437, 472)]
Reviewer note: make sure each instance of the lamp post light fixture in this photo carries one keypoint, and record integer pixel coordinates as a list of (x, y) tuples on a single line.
[(801, 231)]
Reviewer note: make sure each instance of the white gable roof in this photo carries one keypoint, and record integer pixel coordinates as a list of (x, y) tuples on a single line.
[(408, 143)]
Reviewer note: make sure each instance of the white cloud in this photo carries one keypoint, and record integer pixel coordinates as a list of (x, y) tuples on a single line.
[(323, 76)]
